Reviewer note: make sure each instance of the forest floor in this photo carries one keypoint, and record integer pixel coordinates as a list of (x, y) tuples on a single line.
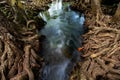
[(101, 53), (101, 47)]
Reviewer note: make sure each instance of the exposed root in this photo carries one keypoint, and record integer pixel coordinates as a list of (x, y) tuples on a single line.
[(20, 76), (27, 62), (101, 49), (114, 51), (18, 57), (100, 53), (30, 38)]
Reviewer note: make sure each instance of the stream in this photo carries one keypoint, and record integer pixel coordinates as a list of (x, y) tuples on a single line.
[(62, 31)]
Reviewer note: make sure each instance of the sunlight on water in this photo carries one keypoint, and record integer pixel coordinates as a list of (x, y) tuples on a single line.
[(62, 31), (55, 8)]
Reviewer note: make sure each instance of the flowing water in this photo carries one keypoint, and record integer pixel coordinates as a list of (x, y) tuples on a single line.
[(62, 31)]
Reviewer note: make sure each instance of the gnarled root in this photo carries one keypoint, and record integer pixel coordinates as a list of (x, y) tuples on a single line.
[(18, 57)]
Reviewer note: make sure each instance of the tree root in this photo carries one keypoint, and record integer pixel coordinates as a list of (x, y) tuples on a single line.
[(20, 76), (101, 48), (103, 52), (18, 57), (27, 62)]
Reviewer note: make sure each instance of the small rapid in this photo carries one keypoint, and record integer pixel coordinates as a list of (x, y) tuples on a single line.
[(62, 31)]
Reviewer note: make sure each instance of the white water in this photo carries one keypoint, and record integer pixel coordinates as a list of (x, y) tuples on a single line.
[(62, 32), (55, 8), (56, 72)]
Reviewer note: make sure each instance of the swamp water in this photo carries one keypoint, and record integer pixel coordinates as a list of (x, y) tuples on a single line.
[(62, 31)]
